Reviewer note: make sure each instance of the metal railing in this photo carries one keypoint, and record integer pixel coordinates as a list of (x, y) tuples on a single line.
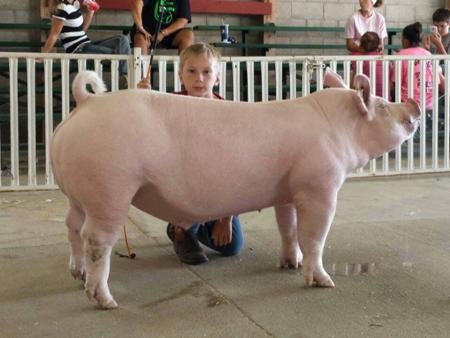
[(35, 96)]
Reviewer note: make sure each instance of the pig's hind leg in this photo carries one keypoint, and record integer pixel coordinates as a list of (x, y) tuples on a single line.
[(291, 256), (315, 211), (74, 221), (99, 237)]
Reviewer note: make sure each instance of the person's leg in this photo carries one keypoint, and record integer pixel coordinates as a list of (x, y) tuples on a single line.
[(118, 44), (140, 41), (204, 235), (183, 39), (93, 48)]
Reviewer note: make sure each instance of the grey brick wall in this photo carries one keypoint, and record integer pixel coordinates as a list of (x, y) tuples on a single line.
[(12, 11), (286, 12), (397, 13)]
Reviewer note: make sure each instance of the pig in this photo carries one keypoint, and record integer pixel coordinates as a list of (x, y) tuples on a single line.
[(188, 160)]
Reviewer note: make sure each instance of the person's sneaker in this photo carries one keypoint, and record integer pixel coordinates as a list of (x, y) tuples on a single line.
[(123, 82), (188, 249)]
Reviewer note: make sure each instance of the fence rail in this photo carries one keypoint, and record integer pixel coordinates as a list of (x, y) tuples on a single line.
[(35, 96)]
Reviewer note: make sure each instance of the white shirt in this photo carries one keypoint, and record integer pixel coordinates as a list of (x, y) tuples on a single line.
[(357, 25)]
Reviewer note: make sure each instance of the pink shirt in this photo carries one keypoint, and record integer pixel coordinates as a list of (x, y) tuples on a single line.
[(357, 25), (416, 78)]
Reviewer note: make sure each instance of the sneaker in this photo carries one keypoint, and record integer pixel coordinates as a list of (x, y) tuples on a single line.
[(123, 82), (187, 249)]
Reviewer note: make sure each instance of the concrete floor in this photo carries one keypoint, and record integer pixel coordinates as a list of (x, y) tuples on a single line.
[(388, 252)]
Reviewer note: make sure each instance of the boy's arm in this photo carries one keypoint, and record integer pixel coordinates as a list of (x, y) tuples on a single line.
[(55, 30), (222, 232), (144, 84)]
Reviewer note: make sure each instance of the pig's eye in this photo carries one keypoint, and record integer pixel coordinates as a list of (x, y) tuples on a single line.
[(407, 122)]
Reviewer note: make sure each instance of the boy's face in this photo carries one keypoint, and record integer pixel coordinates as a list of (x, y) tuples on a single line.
[(442, 27), (199, 74)]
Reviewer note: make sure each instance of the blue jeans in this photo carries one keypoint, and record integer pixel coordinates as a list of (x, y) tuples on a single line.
[(119, 44), (203, 232)]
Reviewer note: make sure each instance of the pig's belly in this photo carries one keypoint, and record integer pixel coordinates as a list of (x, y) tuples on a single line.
[(172, 207), (184, 211)]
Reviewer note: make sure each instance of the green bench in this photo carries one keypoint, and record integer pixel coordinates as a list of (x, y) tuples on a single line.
[(271, 28), (45, 25)]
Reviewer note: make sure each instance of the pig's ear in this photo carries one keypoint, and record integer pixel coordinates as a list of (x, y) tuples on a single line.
[(362, 86), (332, 79)]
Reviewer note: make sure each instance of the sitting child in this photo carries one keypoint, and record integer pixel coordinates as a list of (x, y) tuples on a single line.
[(438, 42), (411, 43), (69, 25), (199, 72), (370, 43)]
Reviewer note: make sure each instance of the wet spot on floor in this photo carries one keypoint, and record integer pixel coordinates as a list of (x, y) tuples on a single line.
[(196, 289), (216, 300)]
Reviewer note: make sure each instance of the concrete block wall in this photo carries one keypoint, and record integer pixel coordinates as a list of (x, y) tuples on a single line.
[(285, 12), (12, 11), (334, 13)]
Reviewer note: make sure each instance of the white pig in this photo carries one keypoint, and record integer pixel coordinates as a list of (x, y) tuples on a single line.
[(188, 160)]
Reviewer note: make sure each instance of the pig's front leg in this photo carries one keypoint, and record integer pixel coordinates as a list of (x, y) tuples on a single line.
[(99, 238), (74, 221), (291, 256), (315, 210)]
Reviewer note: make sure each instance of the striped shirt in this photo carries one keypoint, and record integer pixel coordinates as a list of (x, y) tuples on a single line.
[(72, 35)]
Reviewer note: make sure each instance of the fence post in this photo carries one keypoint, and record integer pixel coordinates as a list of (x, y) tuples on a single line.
[(135, 72)]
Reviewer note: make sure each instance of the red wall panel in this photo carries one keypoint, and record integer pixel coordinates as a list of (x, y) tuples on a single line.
[(207, 6)]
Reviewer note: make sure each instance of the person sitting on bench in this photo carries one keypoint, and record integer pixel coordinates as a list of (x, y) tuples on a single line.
[(173, 33)]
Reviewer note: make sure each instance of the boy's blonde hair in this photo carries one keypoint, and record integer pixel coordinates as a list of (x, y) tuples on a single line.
[(200, 48)]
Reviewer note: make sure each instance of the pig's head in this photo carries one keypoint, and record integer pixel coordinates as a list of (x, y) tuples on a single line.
[(383, 125)]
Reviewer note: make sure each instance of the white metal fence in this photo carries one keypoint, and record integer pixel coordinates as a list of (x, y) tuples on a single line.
[(35, 96)]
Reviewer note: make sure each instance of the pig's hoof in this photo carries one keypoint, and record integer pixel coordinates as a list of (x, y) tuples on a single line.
[(110, 305), (316, 275), (289, 264), (320, 279), (103, 299), (291, 259), (325, 282), (78, 271)]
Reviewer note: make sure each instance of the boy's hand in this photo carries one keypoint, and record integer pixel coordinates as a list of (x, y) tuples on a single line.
[(435, 38), (160, 37), (222, 232), (144, 84)]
